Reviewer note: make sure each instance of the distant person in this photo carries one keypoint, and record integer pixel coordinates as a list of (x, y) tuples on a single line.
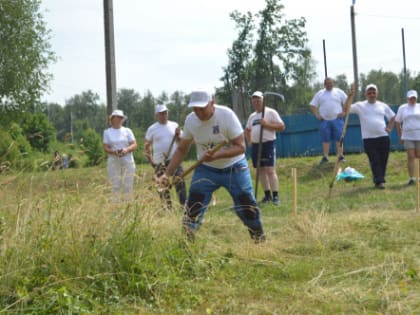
[(65, 161), (327, 106), (58, 163), (271, 123), (408, 128), (207, 126), (119, 142), (376, 142), (162, 140)]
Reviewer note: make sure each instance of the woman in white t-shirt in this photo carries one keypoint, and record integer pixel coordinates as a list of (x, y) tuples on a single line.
[(408, 127), (119, 143)]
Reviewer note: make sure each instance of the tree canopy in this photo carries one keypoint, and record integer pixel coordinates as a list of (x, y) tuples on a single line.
[(25, 54)]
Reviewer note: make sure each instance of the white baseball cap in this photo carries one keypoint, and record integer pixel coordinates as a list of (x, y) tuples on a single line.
[(258, 94), (412, 93), (199, 98), (160, 108), (371, 87)]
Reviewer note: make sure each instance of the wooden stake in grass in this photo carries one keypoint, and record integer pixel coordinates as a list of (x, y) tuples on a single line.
[(294, 177), (417, 169)]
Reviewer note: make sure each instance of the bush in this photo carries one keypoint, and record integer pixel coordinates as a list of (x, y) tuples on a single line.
[(9, 151), (16, 132), (92, 147), (39, 131)]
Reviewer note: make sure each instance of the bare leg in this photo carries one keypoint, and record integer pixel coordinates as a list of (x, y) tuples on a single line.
[(325, 148)]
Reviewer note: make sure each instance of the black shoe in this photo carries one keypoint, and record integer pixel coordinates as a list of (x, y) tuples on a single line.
[(380, 185), (342, 159), (257, 236), (266, 199), (411, 182), (323, 160)]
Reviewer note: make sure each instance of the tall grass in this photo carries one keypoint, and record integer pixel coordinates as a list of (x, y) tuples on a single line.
[(66, 250)]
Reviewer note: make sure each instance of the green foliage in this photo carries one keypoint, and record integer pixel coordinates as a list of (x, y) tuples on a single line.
[(84, 111), (17, 134), (278, 60), (25, 54), (39, 131), (92, 147), (66, 250), (9, 151)]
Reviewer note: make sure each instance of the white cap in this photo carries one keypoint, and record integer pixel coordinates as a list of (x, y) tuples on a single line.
[(371, 86), (412, 93), (160, 108), (258, 94), (199, 98), (117, 113)]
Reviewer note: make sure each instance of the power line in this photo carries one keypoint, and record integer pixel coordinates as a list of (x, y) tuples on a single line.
[(390, 16)]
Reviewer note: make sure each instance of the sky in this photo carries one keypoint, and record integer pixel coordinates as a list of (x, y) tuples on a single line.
[(164, 45)]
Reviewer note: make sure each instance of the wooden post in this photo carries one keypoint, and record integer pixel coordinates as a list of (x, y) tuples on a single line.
[(294, 177), (416, 170), (111, 85)]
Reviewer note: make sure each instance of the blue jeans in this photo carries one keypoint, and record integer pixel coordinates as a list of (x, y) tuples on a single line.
[(237, 180)]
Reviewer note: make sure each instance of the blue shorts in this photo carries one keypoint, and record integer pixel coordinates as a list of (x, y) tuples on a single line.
[(268, 153), (331, 130)]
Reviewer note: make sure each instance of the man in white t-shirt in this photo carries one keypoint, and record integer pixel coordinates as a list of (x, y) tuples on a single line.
[(207, 126), (161, 138), (327, 106), (376, 142), (270, 124), (408, 127)]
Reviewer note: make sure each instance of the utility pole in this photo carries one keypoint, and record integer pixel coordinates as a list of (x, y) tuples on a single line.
[(325, 60), (353, 40), (405, 66), (111, 85)]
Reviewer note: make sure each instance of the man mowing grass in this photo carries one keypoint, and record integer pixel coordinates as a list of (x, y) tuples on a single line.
[(208, 126)]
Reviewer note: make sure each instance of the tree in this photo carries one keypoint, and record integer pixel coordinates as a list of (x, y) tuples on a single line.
[(25, 54), (128, 101), (388, 83), (236, 77), (39, 131), (276, 61), (278, 39), (83, 111), (92, 146), (178, 108)]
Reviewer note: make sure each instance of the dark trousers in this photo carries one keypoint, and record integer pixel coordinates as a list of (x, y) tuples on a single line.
[(377, 150)]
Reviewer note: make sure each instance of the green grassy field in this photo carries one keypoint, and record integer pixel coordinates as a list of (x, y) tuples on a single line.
[(65, 250)]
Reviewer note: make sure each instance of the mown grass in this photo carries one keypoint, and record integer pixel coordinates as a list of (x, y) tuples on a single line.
[(66, 250)]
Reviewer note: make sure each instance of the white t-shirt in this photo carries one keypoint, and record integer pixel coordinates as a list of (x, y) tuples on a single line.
[(330, 103), (223, 125), (253, 124), (119, 139), (372, 118), (409, 116), (161, 135)]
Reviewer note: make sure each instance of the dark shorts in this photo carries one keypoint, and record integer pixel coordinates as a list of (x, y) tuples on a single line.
[(268, 153), (331, 129)]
